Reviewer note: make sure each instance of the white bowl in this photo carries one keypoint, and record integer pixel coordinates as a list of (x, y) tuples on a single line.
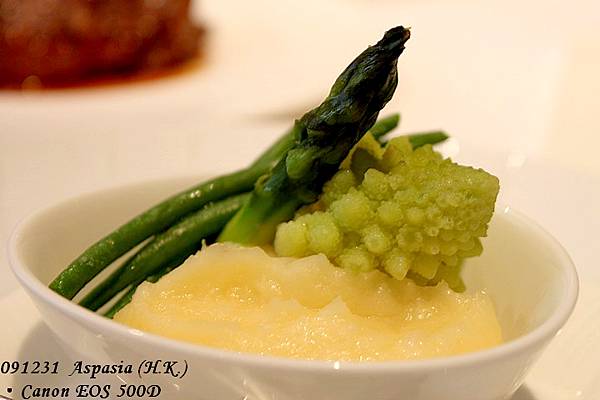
[(529, 276)]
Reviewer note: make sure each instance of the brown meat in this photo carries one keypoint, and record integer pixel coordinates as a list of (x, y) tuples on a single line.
[(69, 40)]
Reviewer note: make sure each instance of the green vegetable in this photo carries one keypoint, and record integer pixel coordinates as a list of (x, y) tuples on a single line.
[(384, 125), (387, 124), (163, 215), (323, 138), (128, 295), (165, 247), (289, 174), (411, 212), (421, 139), (381, 128), (160, 217), (274, 153), (122, 301)]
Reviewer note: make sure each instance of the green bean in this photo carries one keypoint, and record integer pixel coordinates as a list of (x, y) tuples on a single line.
[(97, 257), (101, 254), (422, 138), (384, 125), (164, 247), (128, 295), (277, 150), (123, 301)]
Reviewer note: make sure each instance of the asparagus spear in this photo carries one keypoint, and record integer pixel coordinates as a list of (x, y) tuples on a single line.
[(323, 138)]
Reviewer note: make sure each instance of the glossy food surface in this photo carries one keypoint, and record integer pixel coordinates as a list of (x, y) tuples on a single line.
[(244, 300)]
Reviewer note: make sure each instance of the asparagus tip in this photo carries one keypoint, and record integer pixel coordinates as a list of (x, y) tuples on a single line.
[(394, 39)]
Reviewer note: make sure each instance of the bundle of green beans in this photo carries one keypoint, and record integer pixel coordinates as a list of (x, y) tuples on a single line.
[(245, 206)]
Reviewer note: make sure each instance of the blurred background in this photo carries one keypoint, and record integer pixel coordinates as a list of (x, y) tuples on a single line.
[(153, 92)]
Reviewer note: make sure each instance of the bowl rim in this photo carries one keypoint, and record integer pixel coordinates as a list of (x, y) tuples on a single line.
[(541, 334)]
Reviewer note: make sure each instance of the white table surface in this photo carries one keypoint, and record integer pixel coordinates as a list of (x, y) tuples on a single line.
[(511, 79)]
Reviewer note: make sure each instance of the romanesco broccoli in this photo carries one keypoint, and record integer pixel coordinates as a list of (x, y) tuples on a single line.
[(408, 212)]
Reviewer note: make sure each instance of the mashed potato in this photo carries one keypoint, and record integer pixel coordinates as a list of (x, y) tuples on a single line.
[(244, 300)]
